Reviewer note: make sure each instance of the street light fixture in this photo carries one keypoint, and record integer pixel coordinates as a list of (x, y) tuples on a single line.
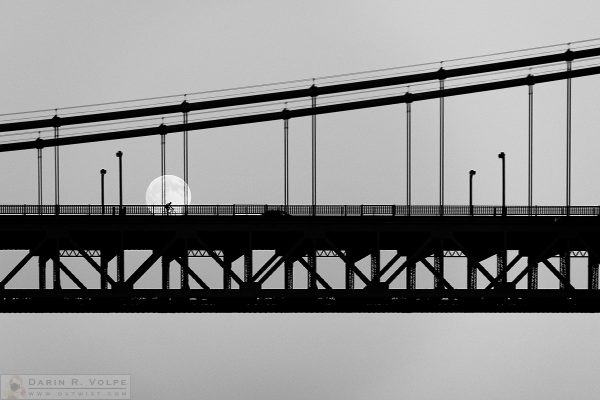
[(102, 173), (471, 174), (502, 156), (120, 156)]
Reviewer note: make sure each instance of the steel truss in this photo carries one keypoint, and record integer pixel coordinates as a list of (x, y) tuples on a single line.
[(374, 263)]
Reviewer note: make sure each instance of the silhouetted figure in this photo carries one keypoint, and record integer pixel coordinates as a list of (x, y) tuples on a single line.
[(169, 208)]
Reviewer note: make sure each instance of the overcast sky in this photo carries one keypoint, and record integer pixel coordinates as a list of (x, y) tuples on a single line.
[(60, 54)]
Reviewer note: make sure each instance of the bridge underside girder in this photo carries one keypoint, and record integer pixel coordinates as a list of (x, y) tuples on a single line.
[(367, 281), (300, 300)]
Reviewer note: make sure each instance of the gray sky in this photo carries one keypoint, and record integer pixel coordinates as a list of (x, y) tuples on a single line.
[(59, 54)]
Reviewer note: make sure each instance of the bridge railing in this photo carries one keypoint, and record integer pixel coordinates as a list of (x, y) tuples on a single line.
[(298, 210)]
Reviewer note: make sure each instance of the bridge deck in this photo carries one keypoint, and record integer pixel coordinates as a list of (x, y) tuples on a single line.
[(295, 242)]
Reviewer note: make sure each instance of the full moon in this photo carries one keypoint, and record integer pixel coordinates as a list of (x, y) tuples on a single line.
[(175, 188)]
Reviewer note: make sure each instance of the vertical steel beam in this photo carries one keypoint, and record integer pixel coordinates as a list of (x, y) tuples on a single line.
[(408, 156), (375, 265), (592, 273), (349, 276), (501, 265), (565, 267), (42, 259), (121, 262), (248, 266), (376, 260), (411, 275), (288, 268), (121, 266), (56, 284), (228, 263), (438, 265), (471, 275), (104, 259), (568, 189), (532, 275), (312, 262), (248, 261), (185, 263), (165, 271), (530, 152)]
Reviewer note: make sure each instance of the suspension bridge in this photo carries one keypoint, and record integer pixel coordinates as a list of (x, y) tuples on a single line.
[(310, 257)]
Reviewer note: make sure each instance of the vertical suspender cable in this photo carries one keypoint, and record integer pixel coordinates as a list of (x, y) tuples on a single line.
[(314, 151), (40, 176), (408, 156), (441, 146), (568, 189), (56, 164), (185, 160), (163, 167), (39, 159), (286, 188), (163, 191), (530, 152)]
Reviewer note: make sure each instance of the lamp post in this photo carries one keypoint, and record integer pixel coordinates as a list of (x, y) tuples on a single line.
[(40, 175), (102, 173), (502, 156), (471, 174), (120, 157)]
